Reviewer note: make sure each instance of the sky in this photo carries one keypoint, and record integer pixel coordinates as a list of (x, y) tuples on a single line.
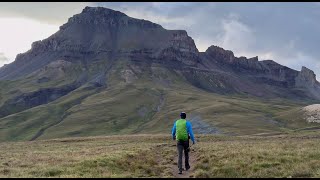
[(286, 32)]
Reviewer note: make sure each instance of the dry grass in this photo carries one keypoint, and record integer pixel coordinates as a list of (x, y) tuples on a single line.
[(114, 156), (295, 155), (253, 157)]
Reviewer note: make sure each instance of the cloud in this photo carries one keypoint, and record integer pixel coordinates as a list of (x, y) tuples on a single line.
[(47, 12), (17, 35), (3, 59), (236, 36)]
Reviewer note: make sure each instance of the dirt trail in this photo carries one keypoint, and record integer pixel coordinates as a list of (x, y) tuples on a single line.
[(192, 162), (167, 157)]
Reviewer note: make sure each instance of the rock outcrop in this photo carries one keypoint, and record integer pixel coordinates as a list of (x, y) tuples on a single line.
[(312, 113), (53, 71), (220, 55), (36, 98), (306, 78)]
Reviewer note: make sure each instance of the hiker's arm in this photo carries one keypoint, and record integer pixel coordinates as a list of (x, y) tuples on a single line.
[(189, 128), (174, 131)]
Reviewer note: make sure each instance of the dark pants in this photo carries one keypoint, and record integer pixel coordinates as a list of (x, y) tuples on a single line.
[(183, 146)]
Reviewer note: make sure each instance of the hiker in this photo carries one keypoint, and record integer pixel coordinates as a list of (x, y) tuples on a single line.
[(182, 131)]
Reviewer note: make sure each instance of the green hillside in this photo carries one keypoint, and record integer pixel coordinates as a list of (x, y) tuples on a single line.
[(140, 99)]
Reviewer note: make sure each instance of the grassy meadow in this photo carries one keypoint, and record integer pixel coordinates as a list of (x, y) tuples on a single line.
[(287, 155)]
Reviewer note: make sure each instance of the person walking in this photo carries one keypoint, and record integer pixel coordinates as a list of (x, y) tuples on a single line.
[(181, 132)]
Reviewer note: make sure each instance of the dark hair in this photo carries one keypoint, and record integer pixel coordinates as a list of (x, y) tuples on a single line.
[(183, 115)]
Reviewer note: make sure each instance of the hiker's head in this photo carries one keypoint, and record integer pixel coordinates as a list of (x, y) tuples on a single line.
[(183, 115)]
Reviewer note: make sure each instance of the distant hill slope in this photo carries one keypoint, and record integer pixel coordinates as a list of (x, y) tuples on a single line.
[(106, 73)]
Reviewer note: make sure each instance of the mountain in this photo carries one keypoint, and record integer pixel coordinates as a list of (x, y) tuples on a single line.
[(104, 72), (101, 33)]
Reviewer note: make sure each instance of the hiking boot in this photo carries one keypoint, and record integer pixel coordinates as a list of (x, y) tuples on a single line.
[(187, 168)]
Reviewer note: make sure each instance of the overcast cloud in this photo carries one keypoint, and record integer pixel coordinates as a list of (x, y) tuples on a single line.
[(3, 59), (284, 32)]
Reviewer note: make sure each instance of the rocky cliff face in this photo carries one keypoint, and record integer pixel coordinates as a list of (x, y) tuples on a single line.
[(220, 55), (53, 71), (266, 69), (306, 78), (256, 77)]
